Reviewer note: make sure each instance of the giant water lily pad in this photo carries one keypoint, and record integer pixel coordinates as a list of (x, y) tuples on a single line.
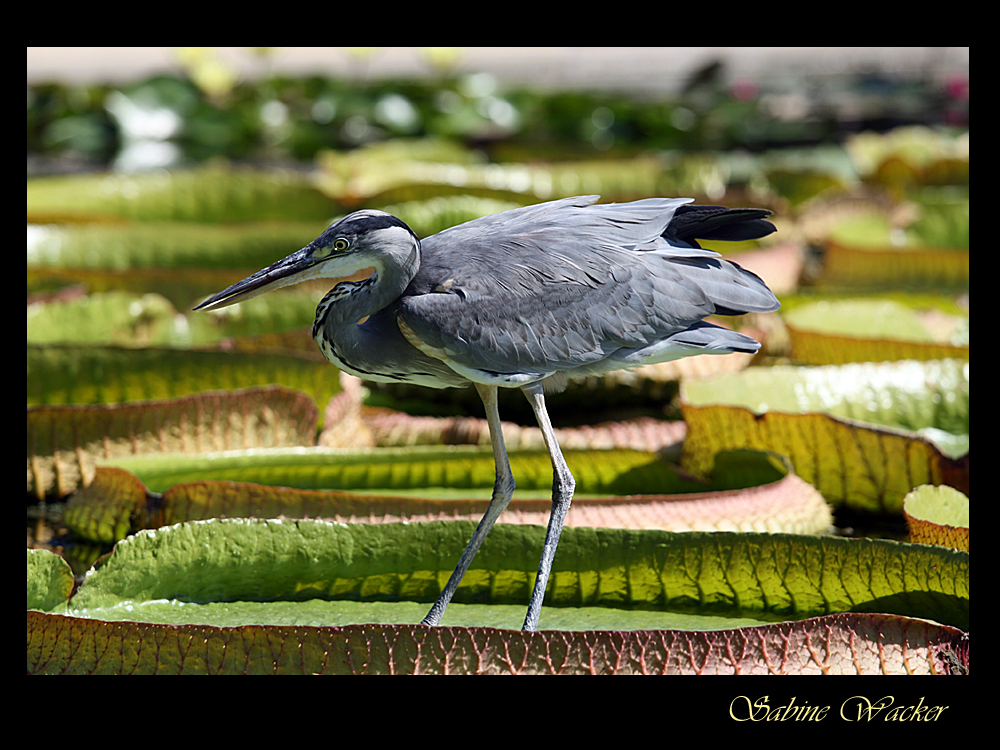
[(215, 571), (747, 492), (357, 180), (108, 375), (50, 580), (834, 644), (214, 193), (430, 470), (768, 576), (938, 515), (892, 268), (124, 318), (115, 318), (863, 434), (861, 330), (166, 244), (66, 442)]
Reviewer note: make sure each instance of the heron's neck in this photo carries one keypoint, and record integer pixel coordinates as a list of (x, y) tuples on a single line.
[(349, 302), (356, 329)]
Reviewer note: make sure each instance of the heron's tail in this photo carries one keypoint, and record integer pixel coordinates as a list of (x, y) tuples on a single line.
[(733, 290)]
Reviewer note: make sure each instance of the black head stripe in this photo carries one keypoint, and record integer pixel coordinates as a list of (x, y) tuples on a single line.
[(362, 222)]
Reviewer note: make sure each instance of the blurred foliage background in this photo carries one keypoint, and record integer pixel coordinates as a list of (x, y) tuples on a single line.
[(240, 105)]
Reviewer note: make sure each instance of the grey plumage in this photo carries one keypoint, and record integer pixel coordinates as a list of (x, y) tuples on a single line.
[(572, 287), (525, 298)]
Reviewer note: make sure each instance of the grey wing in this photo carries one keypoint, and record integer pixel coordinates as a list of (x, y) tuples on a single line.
[(566, 286)]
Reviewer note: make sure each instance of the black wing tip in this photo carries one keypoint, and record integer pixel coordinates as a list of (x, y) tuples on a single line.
[(698, 222)]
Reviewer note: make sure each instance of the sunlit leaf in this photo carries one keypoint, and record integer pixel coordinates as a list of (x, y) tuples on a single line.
[(107, 375), (786, 576), (163, 245), (213, 193), (50, 580), (120, 318), (451, 470), (747, 492), (915, 143), (113, 318), (111, 506), (861, 433), (863, 331), (876, 250), (835, 644), (938, 515), (65, 442), (800, 186), (409, 180), (885, 267)]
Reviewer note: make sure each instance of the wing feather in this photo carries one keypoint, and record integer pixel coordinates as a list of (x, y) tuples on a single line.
[(569, 284)]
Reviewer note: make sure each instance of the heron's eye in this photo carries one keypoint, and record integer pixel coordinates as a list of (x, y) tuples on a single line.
[(340, 244)]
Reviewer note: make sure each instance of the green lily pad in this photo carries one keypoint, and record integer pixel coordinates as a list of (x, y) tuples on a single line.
[(166, 244), (108, 375), (214, 193), (747, 492), (66, 442), (834, 644), (767, 576), (863, 434), (861, 330), (438, 471), (50, 580), (864, 318), (938, 515)]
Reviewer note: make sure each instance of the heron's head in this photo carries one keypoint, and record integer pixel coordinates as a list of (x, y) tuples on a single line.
[(357, 246)]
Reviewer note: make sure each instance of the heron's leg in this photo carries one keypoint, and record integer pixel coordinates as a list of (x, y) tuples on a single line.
[(503, 490), (563, 485)]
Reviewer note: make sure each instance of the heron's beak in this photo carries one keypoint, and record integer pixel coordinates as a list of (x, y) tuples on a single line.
[(287, 271), (302, 265)]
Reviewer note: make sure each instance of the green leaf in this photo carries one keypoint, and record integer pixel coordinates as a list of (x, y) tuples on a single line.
[(889, 268), (763, 575), (861, 432), (65, 442), (861, 330), (166, 245), (836, 644), (113, 318), (50, 580), (110, 507), (104, 375), (749, 492), (917, 145), (938, 515), (903, 395), (943, 222), (121, 318), (863, 318), (405, 180), (439, 470), (214, 193)]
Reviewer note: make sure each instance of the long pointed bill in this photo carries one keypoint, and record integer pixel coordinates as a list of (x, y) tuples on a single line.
[(302, 265), (287, 271)]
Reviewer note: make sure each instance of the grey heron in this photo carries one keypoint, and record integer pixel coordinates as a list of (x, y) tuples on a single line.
[(526, 299)]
